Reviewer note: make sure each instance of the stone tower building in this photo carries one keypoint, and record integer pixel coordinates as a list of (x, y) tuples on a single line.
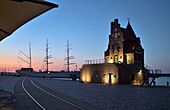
[(124, 46), (124, 60)]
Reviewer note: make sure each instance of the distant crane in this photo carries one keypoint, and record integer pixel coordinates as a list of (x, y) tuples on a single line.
[(29, 57), (47, 56), (68, 57)]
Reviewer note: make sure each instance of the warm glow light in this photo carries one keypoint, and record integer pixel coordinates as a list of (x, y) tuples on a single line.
[(83, 76), (139, 73), (139, 78), (87, 77), (88, 74), (106, 79), (111, 61), (112, 80), (121, 60)]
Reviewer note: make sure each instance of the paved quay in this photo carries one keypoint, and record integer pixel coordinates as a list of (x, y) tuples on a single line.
[(31, 95), (115, 97), (7, 98), (7, 83)]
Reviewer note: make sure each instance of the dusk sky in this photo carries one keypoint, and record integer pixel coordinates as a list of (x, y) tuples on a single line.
[(86, 24)]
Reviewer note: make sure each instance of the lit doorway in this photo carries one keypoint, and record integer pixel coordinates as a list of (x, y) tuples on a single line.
[(110, 78)]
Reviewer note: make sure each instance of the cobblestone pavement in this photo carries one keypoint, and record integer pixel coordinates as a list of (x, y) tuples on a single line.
[(7, 99), (7, 83), (115, 97)]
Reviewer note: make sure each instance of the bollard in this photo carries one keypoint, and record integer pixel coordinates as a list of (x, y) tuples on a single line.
[(167, 83)]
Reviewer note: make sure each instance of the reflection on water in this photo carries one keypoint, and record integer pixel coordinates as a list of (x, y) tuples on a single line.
[(161, 80)]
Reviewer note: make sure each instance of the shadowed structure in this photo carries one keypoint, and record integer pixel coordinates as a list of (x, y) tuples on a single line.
[(15, 13)]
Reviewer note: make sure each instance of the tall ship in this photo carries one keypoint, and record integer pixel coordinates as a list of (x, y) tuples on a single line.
[(48, 74)]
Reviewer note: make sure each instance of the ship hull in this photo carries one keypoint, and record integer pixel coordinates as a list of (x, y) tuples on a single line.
[(49, 75)]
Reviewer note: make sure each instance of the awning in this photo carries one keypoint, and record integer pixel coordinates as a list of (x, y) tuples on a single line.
[(15, 13)]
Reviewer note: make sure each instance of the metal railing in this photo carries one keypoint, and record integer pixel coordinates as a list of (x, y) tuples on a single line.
[(153, 71), (95, 61)]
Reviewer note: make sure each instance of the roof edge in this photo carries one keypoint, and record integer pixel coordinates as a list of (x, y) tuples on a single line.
[(40, 2)]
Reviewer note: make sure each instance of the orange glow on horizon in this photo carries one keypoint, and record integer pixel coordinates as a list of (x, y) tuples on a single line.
[(10, 62), (11, 66)]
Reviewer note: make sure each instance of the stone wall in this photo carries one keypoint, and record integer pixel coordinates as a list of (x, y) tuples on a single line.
[(99, 73)]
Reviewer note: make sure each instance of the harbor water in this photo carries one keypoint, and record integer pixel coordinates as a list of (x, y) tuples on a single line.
[(162, 81)]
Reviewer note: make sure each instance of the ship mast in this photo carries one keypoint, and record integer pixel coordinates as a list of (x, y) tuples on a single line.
[(47, 56), (68, 57), (30, 53), (28, 62)]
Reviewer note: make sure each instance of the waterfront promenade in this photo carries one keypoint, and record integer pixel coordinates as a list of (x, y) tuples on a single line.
[(115, 97)]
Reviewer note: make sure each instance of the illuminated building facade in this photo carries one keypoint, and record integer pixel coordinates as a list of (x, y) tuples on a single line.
[(123, 60), (124, 46)]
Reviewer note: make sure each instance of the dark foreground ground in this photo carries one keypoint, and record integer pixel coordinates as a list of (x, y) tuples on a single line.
[(116, 97), (7, 100)]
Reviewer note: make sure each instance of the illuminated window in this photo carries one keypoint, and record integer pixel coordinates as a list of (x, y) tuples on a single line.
[(116, 58), (129, 59), (107, 60)]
